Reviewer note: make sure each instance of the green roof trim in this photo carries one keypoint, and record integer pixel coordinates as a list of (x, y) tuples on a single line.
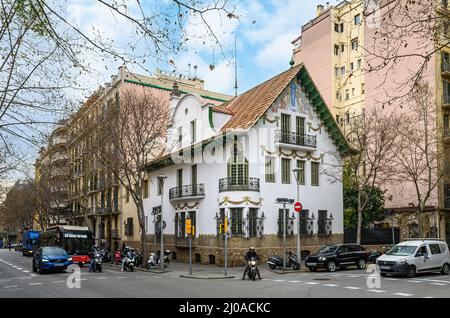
[(324, 114), (210, 117), (170, 90)]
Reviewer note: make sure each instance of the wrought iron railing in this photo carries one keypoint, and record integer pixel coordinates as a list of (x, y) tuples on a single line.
[(295, 139), (192, 190), (243, 184)]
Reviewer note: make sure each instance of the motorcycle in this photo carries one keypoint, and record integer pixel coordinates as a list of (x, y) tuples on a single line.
[(129, 261), (118, 257), (277, 262), (153, 260), (105, 255), (139, 258), (252, 266), (96, 262)]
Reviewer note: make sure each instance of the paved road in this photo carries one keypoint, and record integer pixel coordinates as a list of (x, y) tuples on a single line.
[(17, 280)]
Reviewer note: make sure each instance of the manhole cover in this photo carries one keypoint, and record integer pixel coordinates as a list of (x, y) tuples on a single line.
[(321, 279)]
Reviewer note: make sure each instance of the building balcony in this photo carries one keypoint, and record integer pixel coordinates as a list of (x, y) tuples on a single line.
[(187, 192), (292, 140), (245, 184), (446, 102), (445, 70)]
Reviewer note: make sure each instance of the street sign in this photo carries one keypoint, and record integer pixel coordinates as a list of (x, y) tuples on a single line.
[(298, 207)]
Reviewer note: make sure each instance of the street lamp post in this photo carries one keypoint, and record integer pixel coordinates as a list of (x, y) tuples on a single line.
[(161, 225), (284, 202), (297, 179)]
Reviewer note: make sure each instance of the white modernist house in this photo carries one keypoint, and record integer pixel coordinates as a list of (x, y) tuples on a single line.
[(238, 158)]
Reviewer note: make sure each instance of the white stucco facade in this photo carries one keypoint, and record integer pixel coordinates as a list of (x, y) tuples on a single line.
[(209, 192)]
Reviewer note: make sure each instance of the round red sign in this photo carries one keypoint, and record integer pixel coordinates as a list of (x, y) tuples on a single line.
[(298, 207)]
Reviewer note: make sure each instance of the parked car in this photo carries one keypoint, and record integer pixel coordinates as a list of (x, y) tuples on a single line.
[(336, 256), (51, 259), (373, 256), (418, 256)]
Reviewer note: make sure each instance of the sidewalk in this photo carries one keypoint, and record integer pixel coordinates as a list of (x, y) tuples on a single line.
[(199, 271)]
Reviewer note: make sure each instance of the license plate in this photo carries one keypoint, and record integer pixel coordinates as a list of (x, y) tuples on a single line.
[(59, 264), (311, 264), (385, 267)]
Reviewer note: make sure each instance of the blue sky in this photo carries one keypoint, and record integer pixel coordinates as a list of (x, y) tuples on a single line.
[(264, 34), (265, 31)]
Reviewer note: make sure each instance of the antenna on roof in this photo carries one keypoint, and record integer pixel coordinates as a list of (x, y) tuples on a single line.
[(235, 66)]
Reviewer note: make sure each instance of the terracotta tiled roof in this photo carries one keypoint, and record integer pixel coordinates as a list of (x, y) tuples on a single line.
[(222, 109), (250, 106)]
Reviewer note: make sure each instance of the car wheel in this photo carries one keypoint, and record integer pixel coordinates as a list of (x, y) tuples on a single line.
[(296, 266), (313, 269), (411, 272), (445, 269), (271, 266), (39, 269), (331, 266), (361, 264)]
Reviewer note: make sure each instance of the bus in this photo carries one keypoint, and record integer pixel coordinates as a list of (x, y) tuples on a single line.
[(30, 240), (78, 241)]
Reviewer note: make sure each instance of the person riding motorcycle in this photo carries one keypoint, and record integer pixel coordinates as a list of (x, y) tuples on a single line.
[(92, 258), (251, 253), (125, 252)]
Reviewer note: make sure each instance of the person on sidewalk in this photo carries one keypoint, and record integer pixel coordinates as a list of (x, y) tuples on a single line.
[(251, 253)]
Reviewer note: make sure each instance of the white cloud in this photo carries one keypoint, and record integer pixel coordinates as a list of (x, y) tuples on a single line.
[(277, 52)]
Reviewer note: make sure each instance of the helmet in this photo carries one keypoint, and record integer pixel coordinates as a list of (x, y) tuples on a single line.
[(252, 249)]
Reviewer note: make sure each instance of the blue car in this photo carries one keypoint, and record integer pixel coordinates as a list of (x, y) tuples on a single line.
[(51, 259)]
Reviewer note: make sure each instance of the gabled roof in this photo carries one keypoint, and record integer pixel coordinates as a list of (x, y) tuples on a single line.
[(250, 106)]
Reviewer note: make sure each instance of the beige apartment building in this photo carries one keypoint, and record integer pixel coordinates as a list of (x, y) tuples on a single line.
[(94, 196), (341, 34)]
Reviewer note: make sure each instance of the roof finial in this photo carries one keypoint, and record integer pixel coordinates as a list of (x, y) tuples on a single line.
[(235, 66)]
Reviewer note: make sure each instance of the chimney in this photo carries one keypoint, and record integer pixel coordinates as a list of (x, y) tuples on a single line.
[(320, 9)]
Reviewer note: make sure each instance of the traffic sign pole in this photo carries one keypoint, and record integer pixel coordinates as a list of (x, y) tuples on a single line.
[(298, 208)]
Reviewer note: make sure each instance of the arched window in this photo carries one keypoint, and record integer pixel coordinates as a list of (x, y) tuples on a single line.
[(237, 169)]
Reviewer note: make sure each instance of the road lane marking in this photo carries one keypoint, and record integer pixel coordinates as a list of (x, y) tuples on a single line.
[(121, 277), (312, 283), (352, 287), (278, 280), (58, 281), (34, 284), (392, 279), (294, 281), (102, 277), (433, 280), (379, 291), (331, 285), (11, 286), (25, 271), (414, 281), (438, 284), (402, 294)]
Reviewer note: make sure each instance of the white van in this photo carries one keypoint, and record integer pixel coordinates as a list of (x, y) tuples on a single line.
[(418, 256)]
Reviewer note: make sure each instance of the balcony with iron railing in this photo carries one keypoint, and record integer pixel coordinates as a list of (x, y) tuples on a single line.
[(294, 140), (192, 191), (445, 70), (243, 184)]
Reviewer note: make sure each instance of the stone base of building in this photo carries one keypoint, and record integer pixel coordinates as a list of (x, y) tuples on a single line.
[(208, 249)]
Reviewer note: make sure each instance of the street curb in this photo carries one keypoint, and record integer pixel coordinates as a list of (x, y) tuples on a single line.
[(140, 269), (206, 277)]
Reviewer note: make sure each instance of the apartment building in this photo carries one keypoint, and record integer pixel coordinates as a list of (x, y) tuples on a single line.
[(345, 35)]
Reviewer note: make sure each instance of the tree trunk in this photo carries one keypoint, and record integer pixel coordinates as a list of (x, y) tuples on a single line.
[(143, 233), (359, 223)]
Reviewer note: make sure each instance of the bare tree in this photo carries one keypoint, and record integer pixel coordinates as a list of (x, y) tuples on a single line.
[(43, 52), (17, 210), (131, 135), (416, 153), (372, 136)]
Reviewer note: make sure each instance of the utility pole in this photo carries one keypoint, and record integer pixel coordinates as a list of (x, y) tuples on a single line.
[(297, 178), (189, 233), (161, 253), (225, 232), (284, 202)]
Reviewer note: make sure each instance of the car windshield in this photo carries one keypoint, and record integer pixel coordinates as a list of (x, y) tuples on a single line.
[(53, 251), (328, 249), (402, 250)]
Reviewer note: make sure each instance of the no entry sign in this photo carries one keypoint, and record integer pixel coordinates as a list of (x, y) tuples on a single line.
[(298, 207)]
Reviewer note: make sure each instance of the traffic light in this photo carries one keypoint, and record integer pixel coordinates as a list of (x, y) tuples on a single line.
[(225, 225), (188, 227)]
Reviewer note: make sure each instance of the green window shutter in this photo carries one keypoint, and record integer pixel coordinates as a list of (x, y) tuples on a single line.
[(314, 173), (286, 170), (301, 172)]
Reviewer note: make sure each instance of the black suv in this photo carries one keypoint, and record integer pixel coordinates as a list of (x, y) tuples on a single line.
[(340, 255)]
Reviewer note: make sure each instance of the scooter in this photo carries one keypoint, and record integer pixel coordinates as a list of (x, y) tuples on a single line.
[(153, 260), (277, 262), (105, 255), (252, 267), (118, 257), (96, 262), (129, 261), (138, 256)]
